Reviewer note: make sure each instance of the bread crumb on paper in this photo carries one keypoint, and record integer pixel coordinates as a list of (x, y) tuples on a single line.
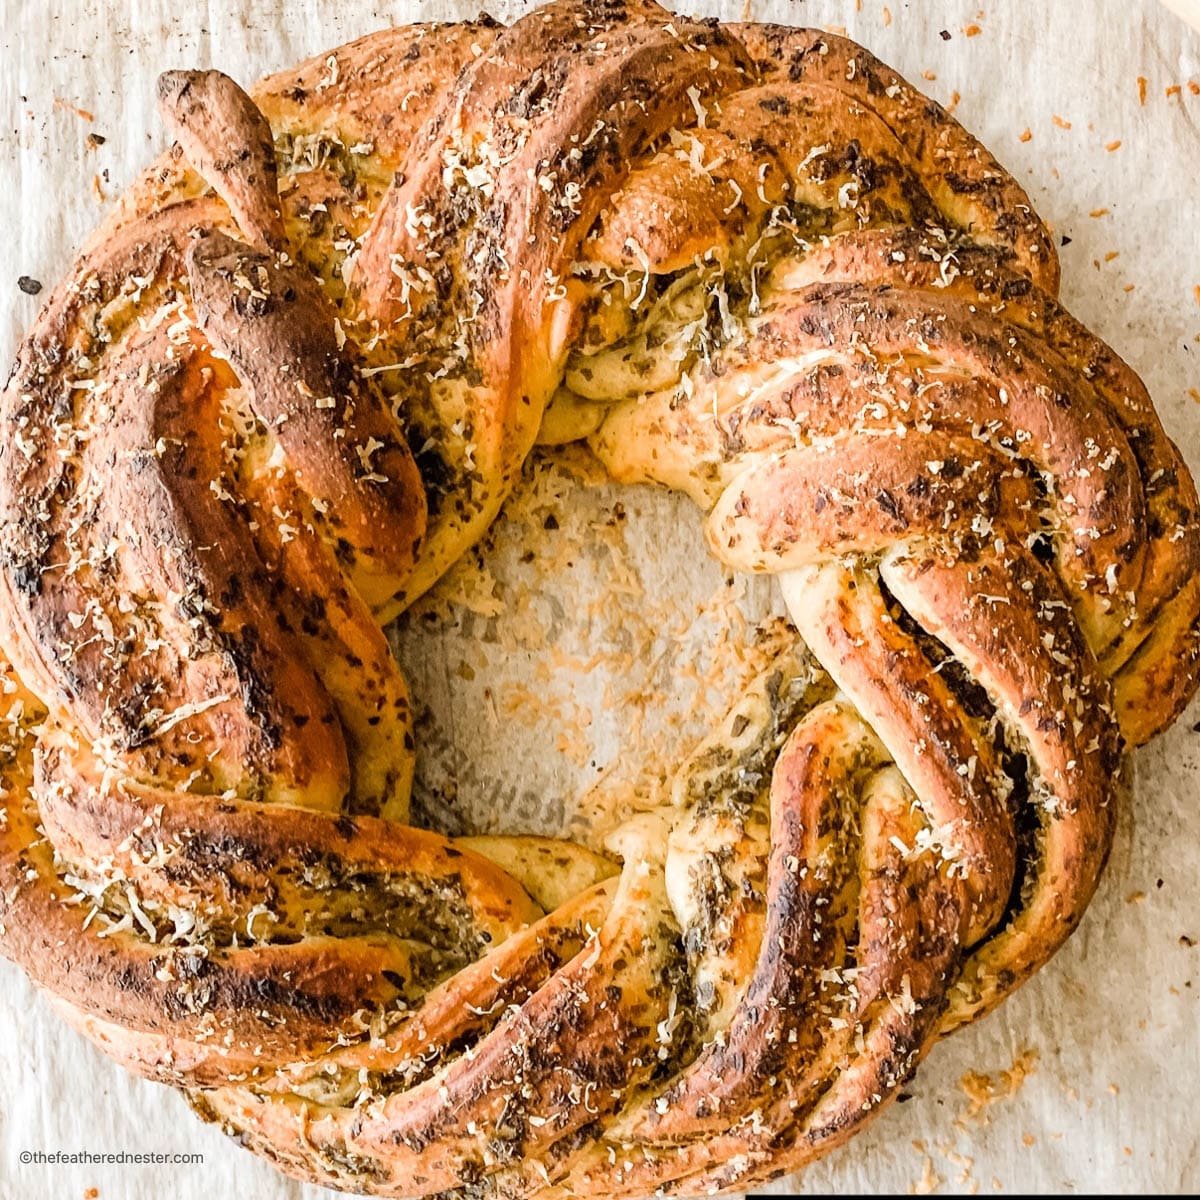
[(929, 1180), (82, 113), (982, 1090)]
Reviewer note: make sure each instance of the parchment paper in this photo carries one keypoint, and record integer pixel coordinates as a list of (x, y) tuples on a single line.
[(540, 680)]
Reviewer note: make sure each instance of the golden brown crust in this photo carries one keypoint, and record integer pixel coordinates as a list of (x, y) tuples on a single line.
[(293, 378), (229, 143)]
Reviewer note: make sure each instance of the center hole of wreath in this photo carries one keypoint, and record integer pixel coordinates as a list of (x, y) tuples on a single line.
[(565, 665)]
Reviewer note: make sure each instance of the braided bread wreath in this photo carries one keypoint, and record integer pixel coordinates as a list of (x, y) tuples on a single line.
[(747, 262)]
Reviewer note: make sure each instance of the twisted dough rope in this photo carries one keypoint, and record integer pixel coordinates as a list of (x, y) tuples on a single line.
[(748, 262)]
